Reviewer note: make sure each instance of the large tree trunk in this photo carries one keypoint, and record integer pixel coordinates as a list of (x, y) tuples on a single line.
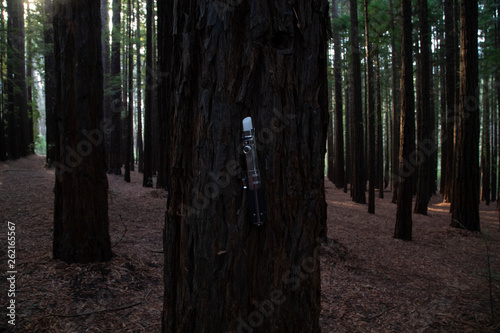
[(129, 135), (81, 227), (17, 103), (450, 40), (425, 119), (380, 140), (396, 104), (358, 178), (465, 199), (403, 229), (372, 160), (3, 151), (266, 60), (339, 170)]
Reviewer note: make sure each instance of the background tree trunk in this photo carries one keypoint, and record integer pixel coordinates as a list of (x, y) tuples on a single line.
[(266, 60), (403, 228), (17, 102), (81, 200), (486, 149), (370, 119), (140, 147), (339, 171), (50, 122), (116, 95), (465, 199), (129, 136), (358, 178), (147, 180)]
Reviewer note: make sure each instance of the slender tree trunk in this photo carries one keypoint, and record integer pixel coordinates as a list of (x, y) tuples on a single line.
[(380, 140), (358, 179), (396, 104), (81, 227), (338, 108), (403, 229), (106, 65), (372, 160), (494, 153), (444, 112), (50, 122), (485, 145), (220, 270), (425, 135), (140, 148), (465, 199), (129, 137), (148, 103), (348, 128), (116, 95)]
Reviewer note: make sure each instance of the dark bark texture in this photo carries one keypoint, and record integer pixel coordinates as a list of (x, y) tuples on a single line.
[(465, 199), (147, 177), (81, 228), (234, 59), (403, 229), (50, 135), (116, 95)]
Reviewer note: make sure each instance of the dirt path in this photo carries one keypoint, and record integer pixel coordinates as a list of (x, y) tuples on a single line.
[(371, 282)]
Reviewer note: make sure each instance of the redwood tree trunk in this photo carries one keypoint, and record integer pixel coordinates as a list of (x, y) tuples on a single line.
[(81, 232), (147, 180), (266, 60), (403, 228), (339, 171), (486, 152), (465, 199), (116, 95), (50, 122), (358, 178), (396, 104)]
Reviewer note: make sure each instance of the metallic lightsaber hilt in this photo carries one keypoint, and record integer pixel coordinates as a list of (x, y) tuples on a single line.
[(251, 178)]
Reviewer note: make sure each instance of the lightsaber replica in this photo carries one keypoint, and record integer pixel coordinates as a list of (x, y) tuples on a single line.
[(251, 178)]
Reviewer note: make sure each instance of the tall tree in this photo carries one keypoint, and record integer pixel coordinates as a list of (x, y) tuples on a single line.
[(147, 180), (116, 95), (396, 102), (403, 229), (129, 136), (450, 41), (425, 116), (220, 270), (339, 171), (370, 114), (465, 199), (17, 89), (485, 145), (81, 226), (49, 84), (379, 150), (358, 172), (140, 148)]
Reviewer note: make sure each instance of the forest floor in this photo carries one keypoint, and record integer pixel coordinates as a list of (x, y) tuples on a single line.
[(371, 282)]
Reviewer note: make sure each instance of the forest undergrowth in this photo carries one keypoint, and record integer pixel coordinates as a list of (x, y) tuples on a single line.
[(445, 280)]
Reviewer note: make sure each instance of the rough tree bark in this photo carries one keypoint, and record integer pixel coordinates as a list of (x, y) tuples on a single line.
[(403, 229), (425, 118), (396, 103), (465, 199), (140, 147), (49, 88), (486, 148), (3, 151), (235, 59), (129, 136), (81, 227)]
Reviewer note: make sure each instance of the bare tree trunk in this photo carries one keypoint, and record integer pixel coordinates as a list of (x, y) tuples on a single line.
[(81, 227), (220, 270), (396, 104), (465, 199), (140, 147), (3, 151), (116, 95), (147, 180), (485, 145), (129, 137), (403, 229), (339, 128), (358, 179), (380, 140)]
